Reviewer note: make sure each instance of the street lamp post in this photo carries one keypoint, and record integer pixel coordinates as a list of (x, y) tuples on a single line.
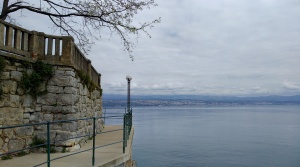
[(128, 78)]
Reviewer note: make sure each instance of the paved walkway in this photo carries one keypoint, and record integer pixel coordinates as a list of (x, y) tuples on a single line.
[(107, 156)]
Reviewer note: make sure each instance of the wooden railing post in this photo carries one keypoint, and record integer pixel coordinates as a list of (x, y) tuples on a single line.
[(37, 44), (67, 50)]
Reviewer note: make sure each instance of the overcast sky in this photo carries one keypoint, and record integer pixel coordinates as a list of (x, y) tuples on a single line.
[(205, 47)]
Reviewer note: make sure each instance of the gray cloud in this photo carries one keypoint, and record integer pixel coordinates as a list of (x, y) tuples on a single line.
[(214, 47)]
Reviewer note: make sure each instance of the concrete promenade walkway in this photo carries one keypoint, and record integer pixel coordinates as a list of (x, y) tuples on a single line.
[(104, 157)]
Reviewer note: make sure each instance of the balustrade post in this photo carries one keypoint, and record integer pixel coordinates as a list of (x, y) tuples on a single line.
[(2, 34), (17, 39), (99, 79), (9, 36), (37, 44), (67, 51), (89, 68)]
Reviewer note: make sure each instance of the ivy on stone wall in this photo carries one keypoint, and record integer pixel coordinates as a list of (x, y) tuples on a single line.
[(41, 73), (86, 80)]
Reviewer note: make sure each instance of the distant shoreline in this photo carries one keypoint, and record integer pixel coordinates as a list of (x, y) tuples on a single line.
[(157, 103)]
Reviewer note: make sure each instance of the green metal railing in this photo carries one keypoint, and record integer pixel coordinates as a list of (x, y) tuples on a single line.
[(127, 125)]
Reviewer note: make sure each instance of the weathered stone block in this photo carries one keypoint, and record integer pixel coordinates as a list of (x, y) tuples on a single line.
[(9, 86), (48, 99), (16, 75), (70, 73), (55, 89), (60, 81), (63, 138), (72, 116), (26, 115), (95, 95), (43, 135), (5, 147), (70, 90), (20, 69), (69, 109), (38, 108), (20, 91), (65, 68), (5, 75), (14, 145), (33, 118), (4, 102), (10, 67), (9, 134), (25, 121), (59, 72), (48, 117), (27, 101), (73, 126), (1, 143), (65, 99), (73, 148), (56, 126), (11, 116), (14, 100), (28, 110), (24, 131), (17, 64), (52, 109), (36, 117)]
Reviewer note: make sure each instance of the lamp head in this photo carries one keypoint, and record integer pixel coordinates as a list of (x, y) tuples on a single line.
[(129, 78)]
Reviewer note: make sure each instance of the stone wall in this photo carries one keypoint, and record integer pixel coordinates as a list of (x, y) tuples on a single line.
[(66, 98)]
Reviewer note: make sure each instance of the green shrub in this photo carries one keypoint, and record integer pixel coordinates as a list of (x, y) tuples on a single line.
[(6, 157), (21, 154), (86, 80), (37, 141)]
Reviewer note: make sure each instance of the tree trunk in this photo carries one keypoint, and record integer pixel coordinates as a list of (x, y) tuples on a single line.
[(4, 10)]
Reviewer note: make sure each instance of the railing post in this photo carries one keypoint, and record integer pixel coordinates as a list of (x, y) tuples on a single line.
[(130, 121), (94, 136), (48, 144), (124, 138), (104, 116), (127, 125)]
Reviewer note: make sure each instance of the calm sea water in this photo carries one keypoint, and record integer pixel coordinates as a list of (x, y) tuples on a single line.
[(247, 136)]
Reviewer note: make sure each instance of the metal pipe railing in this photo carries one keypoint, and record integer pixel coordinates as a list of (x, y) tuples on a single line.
[(127, 125)]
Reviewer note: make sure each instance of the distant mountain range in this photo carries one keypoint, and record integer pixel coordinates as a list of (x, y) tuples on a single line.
[(196, 100)]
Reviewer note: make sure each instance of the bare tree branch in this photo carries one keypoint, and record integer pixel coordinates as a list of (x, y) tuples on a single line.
[(95, 15)]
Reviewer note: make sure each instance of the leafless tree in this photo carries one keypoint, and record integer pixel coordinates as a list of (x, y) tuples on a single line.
[(83, 18)]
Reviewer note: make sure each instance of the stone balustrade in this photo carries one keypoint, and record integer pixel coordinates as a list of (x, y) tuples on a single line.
[(60, 50)]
